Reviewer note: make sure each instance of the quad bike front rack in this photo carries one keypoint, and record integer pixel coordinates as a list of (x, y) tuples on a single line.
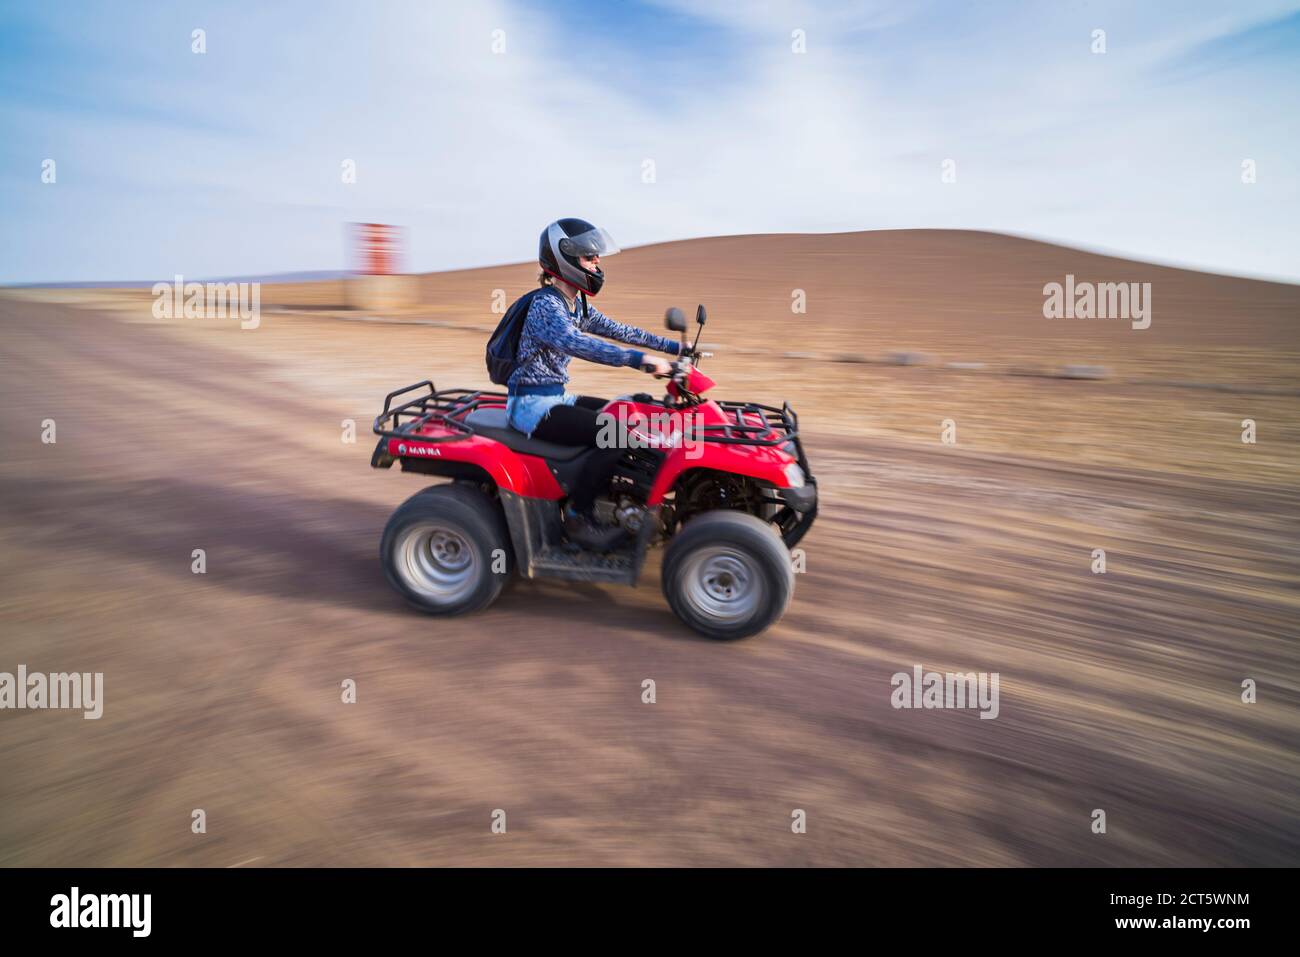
[(780, 424), (780, 428)]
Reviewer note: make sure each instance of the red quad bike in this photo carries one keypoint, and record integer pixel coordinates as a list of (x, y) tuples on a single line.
[(724, 484)]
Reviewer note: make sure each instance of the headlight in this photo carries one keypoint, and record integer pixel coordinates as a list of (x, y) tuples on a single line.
[(794, 475)]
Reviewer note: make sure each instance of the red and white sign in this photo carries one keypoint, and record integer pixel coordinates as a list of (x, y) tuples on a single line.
[(377, 248)]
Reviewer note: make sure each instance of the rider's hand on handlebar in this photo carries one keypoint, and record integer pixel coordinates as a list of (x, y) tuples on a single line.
[(656, 366)]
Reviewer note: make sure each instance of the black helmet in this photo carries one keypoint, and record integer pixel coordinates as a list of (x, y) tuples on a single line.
[(564, 241)]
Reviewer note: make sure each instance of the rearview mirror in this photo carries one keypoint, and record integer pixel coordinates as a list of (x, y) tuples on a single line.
[(675, 319), (700, 314)]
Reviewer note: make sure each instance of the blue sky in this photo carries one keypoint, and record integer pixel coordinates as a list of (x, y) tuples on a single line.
[(229, 163)]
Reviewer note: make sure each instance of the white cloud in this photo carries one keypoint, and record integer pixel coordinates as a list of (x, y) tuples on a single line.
[(240, 151)]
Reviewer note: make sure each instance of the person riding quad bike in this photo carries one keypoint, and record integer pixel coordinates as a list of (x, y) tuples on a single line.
[(548, 485), (558, 327)]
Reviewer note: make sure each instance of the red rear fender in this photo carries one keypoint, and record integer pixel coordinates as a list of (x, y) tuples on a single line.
[(524, 475)]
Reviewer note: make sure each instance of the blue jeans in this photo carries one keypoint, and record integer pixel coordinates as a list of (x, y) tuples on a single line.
[(525, 411)]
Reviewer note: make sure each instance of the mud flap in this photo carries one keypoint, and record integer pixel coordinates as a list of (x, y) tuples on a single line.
[(534, 525), (643, 539)]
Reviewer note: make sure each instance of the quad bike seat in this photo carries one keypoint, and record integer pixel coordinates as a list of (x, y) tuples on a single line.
[(492, 423)]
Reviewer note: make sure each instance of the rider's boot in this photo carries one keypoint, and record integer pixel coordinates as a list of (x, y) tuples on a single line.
[(583, 528)]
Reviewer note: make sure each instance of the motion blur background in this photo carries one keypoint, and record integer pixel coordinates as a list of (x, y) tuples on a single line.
[(846, 272)]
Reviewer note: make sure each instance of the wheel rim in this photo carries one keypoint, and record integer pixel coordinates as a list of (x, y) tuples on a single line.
[(722, 584), (437, 563)]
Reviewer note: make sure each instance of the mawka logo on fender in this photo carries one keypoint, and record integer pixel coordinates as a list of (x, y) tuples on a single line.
[(403, 449)]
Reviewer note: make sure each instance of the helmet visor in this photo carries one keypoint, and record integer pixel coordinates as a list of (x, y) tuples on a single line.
[(594, 242)]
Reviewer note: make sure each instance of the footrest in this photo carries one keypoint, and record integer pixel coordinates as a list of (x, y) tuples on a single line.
[(575, 565)]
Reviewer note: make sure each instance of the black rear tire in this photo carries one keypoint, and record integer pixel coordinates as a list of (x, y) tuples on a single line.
[(446, 550), (727, 575)]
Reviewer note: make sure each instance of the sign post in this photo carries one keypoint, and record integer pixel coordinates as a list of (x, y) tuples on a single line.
[(376, 251)]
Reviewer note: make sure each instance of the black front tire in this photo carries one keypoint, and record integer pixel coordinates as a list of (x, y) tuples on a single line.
[(446, 550), (727, 575)]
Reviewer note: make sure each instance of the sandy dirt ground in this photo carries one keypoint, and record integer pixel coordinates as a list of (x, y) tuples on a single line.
[(1119, 692)]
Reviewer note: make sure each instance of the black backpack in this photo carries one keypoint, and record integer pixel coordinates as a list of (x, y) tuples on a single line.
[(503, 348)]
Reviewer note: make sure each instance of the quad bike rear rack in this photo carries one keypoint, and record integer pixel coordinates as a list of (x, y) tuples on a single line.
[(446, 409)]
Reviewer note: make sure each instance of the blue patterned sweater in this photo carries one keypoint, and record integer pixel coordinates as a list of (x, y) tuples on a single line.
[(553, 334)]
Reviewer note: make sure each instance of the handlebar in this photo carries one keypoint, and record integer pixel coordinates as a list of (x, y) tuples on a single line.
[(680, 366), (690, 352)]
